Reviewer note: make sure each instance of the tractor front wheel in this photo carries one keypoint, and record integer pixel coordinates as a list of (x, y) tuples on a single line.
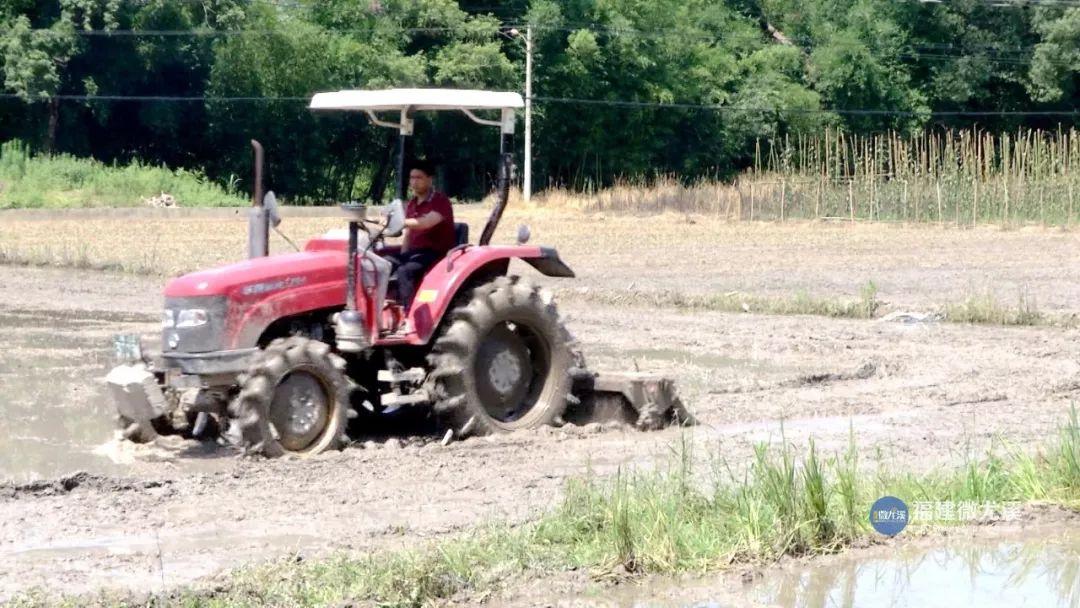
[(295, 400), (503, 361)]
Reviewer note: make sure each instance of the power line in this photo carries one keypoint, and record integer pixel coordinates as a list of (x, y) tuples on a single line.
[(118, 33), (575, 101), (154, 98), (196, 33), (1008, 3)]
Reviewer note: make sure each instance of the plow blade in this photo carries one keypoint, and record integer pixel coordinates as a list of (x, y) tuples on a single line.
[(136, 393), (647, 401)]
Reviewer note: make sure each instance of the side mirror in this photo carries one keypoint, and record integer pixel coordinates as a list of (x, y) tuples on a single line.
[(271, 207), (395, 215)]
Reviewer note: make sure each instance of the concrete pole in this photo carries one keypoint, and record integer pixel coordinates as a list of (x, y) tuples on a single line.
[(526, 186)]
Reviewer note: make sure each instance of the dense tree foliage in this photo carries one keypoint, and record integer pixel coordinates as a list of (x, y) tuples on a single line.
[(623, 88)]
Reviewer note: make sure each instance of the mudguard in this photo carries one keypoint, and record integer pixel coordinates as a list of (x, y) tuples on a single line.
[(447, 277)]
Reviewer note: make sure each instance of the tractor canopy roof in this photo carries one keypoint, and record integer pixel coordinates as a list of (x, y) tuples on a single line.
[(407, 101), (416, 99)]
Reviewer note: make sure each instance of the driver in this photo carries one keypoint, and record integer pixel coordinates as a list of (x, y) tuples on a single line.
[(429, 232)]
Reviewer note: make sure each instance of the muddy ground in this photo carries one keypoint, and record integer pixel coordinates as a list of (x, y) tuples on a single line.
[(918, 396)]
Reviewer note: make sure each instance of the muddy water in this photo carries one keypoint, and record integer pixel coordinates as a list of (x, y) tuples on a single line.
[(1043, 572), (54, 417), (1036, 569)]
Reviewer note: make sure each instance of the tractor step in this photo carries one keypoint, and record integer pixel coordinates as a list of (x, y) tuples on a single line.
[(414, 375), (396, 400)]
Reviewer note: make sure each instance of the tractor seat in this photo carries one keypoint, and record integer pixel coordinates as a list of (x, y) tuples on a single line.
[(461, 237)]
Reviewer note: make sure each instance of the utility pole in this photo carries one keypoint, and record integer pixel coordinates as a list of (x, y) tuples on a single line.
[(526, 187), (526, 182)]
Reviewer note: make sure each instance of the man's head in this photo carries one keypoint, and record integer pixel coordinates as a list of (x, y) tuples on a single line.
[(420, 177)]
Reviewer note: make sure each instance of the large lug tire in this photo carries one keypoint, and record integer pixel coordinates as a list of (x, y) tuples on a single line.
[(503, 361), (294, 400)]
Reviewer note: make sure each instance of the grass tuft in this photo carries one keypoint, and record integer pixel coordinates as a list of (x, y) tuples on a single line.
[(987, 310)]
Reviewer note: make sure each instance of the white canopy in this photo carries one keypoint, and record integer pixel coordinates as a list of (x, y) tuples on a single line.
[(417, 99)]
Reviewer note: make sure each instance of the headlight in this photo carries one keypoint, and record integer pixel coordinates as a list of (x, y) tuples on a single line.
[(168, 318), (173, 340), (192, 317)]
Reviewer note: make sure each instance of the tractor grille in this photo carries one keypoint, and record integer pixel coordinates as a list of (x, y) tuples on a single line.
[(203, 338)]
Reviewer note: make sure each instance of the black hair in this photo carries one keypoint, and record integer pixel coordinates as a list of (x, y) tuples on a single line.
[(424, 165)]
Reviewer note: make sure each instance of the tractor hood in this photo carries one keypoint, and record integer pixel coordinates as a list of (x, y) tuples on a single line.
[(258, 278)]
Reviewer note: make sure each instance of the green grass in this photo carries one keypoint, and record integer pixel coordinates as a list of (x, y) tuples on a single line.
[(63, 181), (671, 520)]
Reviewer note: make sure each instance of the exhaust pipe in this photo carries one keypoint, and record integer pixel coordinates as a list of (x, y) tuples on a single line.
[(349, 323), (258, 217)]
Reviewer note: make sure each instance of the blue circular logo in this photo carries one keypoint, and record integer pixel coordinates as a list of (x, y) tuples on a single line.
[(889, 515)]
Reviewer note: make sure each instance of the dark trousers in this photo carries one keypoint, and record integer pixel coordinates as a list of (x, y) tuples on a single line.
[(409, 269)]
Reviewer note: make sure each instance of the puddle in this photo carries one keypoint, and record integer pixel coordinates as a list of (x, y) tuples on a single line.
[(54, 411), (1039, 570), (1043, 572), (52, 420)]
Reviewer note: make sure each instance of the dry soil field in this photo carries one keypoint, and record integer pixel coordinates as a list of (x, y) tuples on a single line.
[(918, 395)]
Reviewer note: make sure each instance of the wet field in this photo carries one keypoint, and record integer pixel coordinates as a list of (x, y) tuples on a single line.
[(924, 395), (56, 416)]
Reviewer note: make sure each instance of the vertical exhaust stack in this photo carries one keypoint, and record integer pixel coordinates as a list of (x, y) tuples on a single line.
[(506, 175), (349, 323), (258, 217)]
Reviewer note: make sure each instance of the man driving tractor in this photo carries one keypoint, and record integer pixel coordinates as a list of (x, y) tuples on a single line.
[(429, 232), (272, 348)]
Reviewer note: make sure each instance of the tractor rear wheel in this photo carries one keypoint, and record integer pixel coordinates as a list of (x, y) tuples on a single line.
[(295, 400), (503, 361)]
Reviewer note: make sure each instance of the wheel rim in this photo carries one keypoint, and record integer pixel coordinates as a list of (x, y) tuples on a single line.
[(511, 368), (300, 409)]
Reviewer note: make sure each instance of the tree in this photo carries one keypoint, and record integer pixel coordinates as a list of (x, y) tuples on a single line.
[(34, 61), (1056, 61)]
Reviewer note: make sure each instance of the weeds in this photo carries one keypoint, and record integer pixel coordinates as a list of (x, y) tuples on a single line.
[(957, 178), (60, 181), (986, 309)]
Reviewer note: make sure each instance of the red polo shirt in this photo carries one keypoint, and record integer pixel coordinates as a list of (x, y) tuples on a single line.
[(438, 238)]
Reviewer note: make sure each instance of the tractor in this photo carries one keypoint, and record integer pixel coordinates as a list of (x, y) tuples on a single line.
[(292, 353)]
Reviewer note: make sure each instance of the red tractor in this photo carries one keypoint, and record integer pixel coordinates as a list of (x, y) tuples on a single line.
[(292, 348)]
